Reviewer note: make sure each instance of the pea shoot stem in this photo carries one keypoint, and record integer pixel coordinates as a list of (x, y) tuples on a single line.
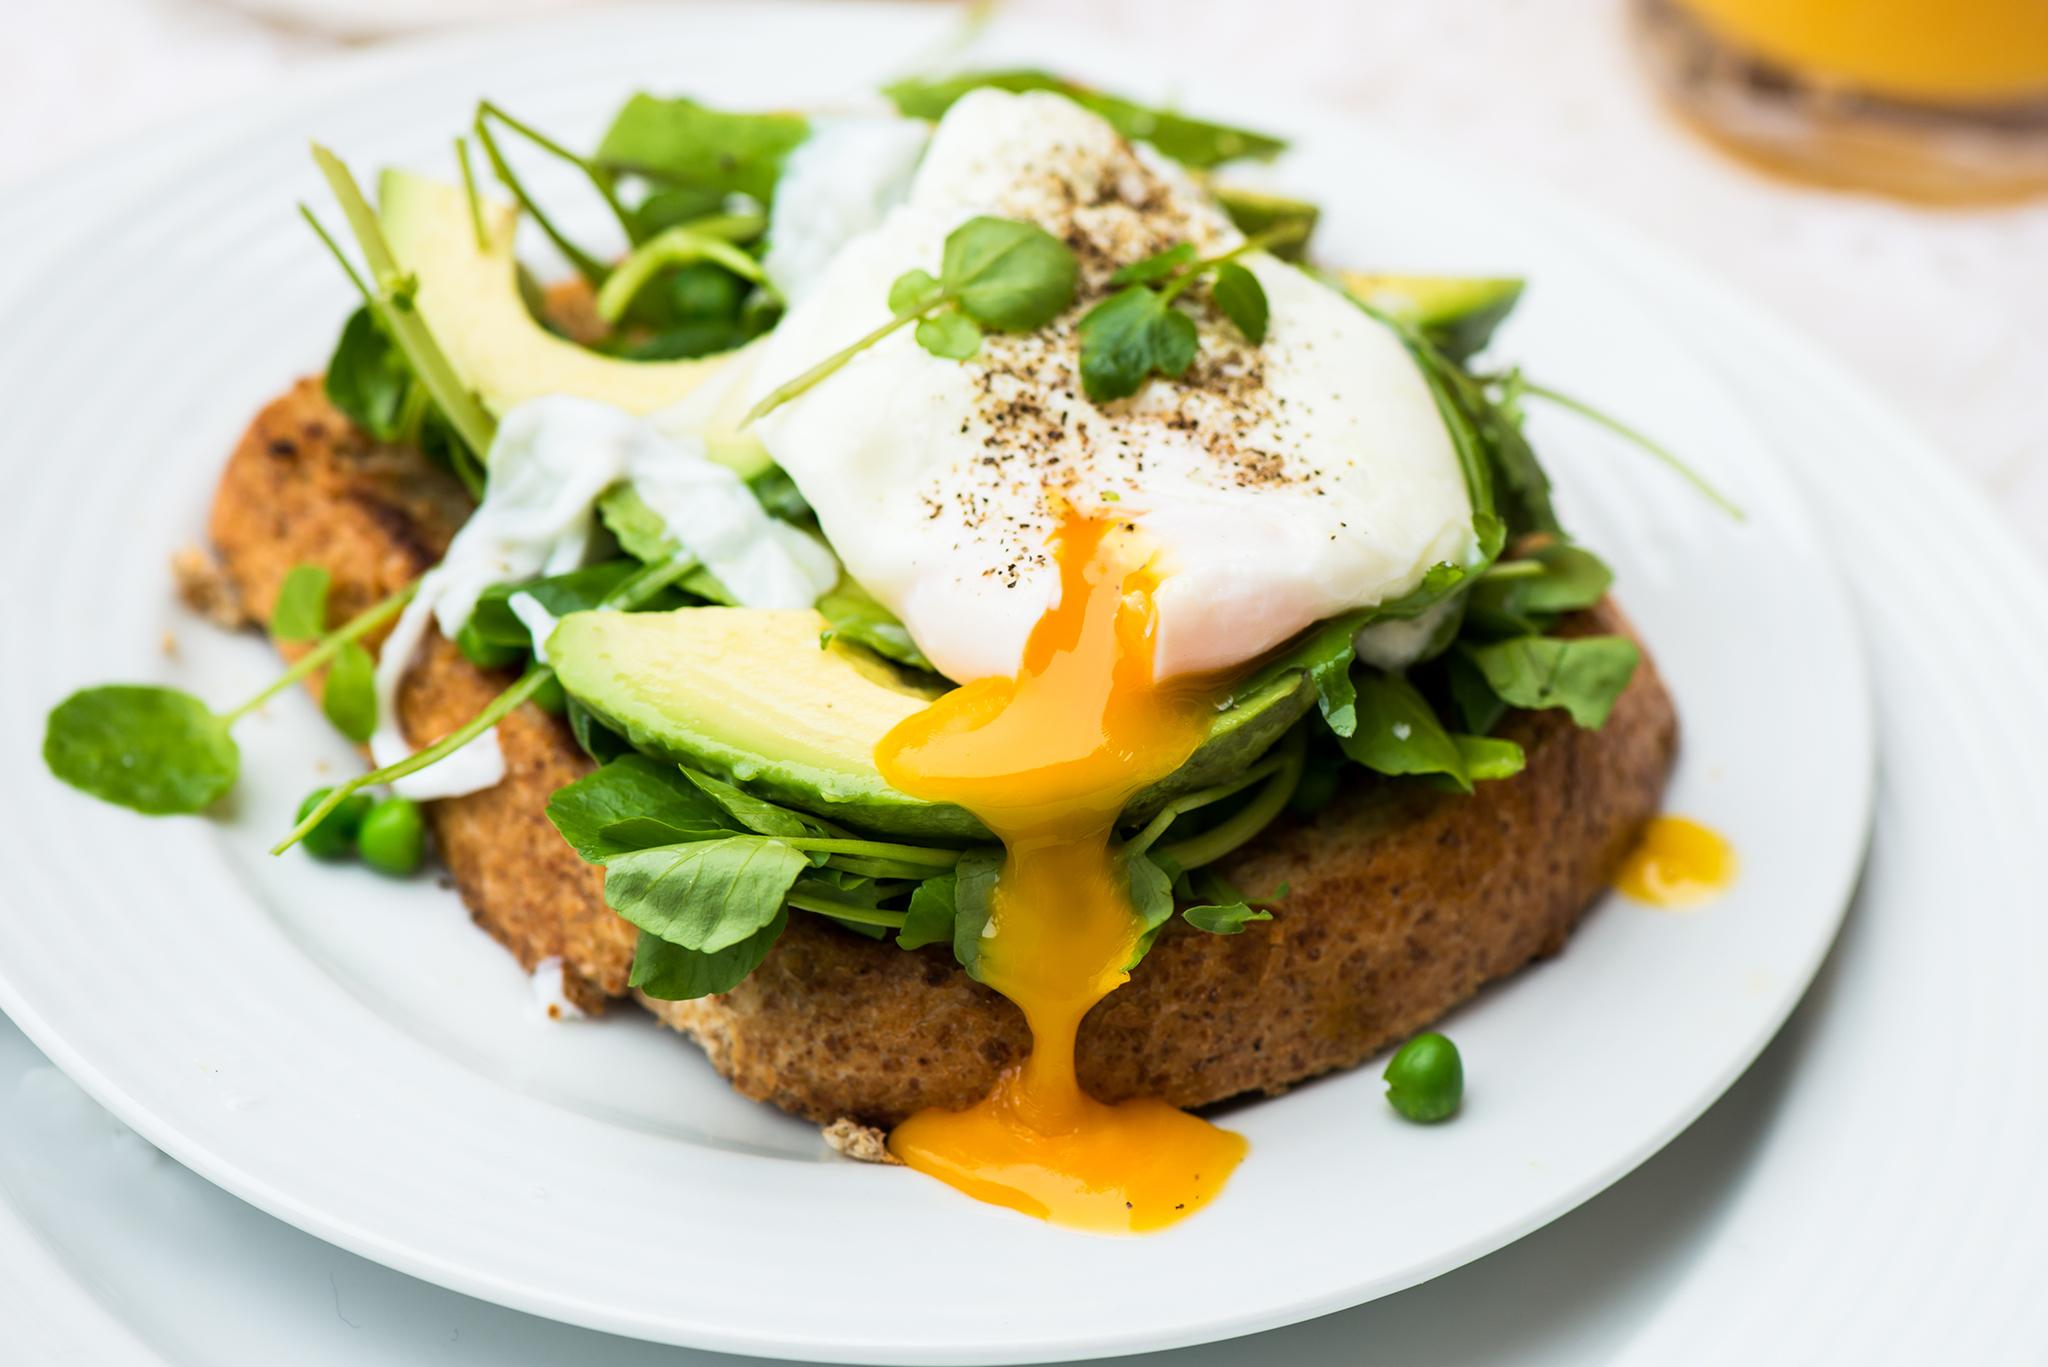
[(636, 589), (1640, 439), (393, 305), (588, 266), (469, 193), (1248, 820), (706, 239), (368, 620), (875, 849), (1195, 269), (846, 911), (1277, 764), (826, 368)]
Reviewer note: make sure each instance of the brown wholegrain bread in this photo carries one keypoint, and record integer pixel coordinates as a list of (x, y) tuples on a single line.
[(1401, 902)]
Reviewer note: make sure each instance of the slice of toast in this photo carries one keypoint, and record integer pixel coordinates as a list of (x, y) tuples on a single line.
[(1401, 902)]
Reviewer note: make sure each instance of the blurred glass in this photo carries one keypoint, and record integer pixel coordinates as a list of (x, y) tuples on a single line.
[(1938, 100)]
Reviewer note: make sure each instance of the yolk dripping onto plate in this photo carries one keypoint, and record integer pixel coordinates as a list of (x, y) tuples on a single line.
[(1047, 761), (1677, 863)]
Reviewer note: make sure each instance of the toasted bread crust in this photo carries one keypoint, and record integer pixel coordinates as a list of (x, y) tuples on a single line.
[(304, 485), (1401, 903)]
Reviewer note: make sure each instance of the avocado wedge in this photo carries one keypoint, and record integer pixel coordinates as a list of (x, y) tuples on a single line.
[(468, 292), (751, 696), (1458, 313)]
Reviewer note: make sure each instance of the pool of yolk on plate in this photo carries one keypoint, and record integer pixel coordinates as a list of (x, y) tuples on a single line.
[(1047, 760)]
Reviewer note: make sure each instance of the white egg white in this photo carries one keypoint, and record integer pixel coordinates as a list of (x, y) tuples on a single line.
[(1276, 485)]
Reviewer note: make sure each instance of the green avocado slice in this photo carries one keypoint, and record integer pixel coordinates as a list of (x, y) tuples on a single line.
[(751, 696), (1458, 313), (468, 293)]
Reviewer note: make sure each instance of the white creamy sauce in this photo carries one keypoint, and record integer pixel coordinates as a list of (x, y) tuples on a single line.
[(551, 459), (837, 184), (1276, 485)]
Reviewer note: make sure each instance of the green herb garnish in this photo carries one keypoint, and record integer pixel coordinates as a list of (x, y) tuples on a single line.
[(995, 273), (1137, 333), (162, 751)]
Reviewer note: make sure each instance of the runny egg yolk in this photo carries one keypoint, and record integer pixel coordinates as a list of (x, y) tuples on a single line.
[(1677, 863), (1047, 760)]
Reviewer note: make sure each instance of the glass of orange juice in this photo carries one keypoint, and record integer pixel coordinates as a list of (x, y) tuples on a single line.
[(1942, 100)]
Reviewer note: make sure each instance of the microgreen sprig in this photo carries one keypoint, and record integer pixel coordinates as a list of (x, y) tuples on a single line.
[(392, 303), (634, 590), (1137, 332), (588, 266), (994, 273), (161, 750)]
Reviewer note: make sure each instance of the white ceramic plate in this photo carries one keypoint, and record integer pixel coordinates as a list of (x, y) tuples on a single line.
[(354, 1058), (1780, 1199)]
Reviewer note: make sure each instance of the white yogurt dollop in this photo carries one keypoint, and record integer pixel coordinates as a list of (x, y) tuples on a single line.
[(551, 459)]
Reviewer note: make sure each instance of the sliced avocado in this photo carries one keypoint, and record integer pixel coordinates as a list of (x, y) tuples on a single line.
[(1256, 212), (470, 297), (751, 696), (1458, 313)]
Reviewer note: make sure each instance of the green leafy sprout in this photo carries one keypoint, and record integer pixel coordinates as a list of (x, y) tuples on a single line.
[(1137, 332), (994, 273), (162, 751)]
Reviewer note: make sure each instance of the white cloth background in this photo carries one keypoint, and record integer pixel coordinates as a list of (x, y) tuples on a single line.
[(1946, 311)]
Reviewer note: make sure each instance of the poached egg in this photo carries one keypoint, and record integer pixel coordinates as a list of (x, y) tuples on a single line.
[(1276, 485)]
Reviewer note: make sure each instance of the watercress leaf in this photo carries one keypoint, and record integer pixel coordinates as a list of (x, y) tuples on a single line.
[(593, 737), (493, 622), (1582, 674), (1550, 580), (929, 921), (1130, 336), (154, 750), (614, 808), (855, 614), (367, 377), (913, 290), (1398, 732), (683, 145), (639, 529), (1151, 889), (1324, 653), (350, 696), (707, 895), (1229, 918), (1243, 300), (1192, 142), (761, 817), (950, 335), (671, 972), (1155, 267), (1521, 488), (1479, 707), (974, 893), (300, 613), (1322, 770), (1489, 757), (1007, 274)]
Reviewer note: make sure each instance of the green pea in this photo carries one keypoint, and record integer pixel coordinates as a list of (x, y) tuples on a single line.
[(393, 837), (1426, 1078), (335, 836)]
